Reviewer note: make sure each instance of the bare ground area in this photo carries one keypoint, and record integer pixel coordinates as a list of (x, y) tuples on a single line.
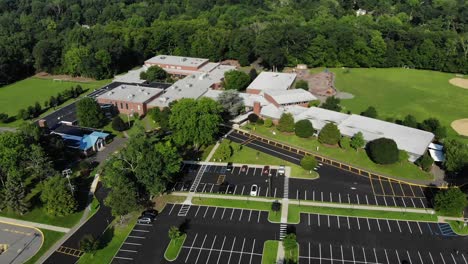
[(460, 82), (461, 126), (63, 77)]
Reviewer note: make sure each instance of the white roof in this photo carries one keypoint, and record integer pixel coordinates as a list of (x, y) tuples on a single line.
[(273, 81), (131, 93), (192, 86), (132, 76), (291, 96), (177, 61), (271, 111), (249, 99), (409, 139), (319, 117)]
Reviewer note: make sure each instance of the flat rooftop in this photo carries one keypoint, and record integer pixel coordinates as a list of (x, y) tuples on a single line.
[(291, 96), (131, 93), (177, 61), (272, 81)]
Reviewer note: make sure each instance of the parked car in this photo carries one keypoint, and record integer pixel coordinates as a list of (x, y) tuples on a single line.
[(266, 170), (281, 170), (144, 220), (244, 168), (229, 166), (151, 213), (253, 190)]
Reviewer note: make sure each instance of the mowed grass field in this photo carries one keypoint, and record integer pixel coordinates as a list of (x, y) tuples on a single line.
[(396, 92), (26, 92)]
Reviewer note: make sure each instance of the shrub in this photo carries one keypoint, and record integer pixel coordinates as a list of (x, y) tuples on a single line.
[(252, 118), (345, 143), (286, 123), (330, 134), (314, 103), (303, 128), (357, 141), (308, 162), (370, 112), (425, 162), (118, 124), (450, 202), (332, 103), (302, 84), (383, 151), (3, 118), (268, 122), (260, 121)]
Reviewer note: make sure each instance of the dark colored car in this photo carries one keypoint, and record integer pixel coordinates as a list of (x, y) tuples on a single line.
[(244, 168), (151, 213), (266, 170), (229, 166)]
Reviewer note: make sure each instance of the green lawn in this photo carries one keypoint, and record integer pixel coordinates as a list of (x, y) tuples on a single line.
[(295, 210), (242, 204), (50, 238), (39, 215), (110, 242), (292, 256), (403, 170), (396, 92), (270, 250), (459, 228), (174, 248), (26, 92), (251, 156)]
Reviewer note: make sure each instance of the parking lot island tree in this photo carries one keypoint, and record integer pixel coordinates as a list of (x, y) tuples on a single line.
[(89, 244), (450, 202), (308, 162), (290, 248), (383, 151), (330, 134)]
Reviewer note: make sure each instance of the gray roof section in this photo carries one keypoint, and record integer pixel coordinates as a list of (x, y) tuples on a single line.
[(249, 99), (320, 117), (132, 76), (131, 93), (291, 96), (177, 61), (273, 81)]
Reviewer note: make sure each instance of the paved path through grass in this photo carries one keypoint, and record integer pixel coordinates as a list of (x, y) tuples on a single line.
[(34, 224)]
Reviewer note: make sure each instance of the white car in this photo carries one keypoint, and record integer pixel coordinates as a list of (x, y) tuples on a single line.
[(281, 170), (253, 190)]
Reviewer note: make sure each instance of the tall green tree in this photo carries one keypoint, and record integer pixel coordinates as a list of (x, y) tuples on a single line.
[(456, 156), (57, 197), (236, 80), (450, 202), (122, 198), (332, 103), (286, 123), (357, 141), (14, 193), (89, 113), (330, 134), (231, 102), (154, 73)]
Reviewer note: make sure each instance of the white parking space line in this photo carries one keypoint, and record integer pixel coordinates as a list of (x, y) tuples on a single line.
[(211, 249), (386, 256), (297, 194), (235, 188), (357, 197), (328, 217), (258, 219), (358, 224), (126, 250), (313, 196), (172, 208), (422, 202), (139, 237), (321, 195), (385, 200), (375, 255), (453, 258), (250, 214), (308, 216), (331, 252), (309, 252), (242, 250), (331, 198), (464, 259), (259, 190), (349, 227), (430, 255), (240, 216), (398, 256), (198, 209), (222, 246), (420, 230), (251, 253), (420, 258), (206, 212), (398, 223), (222, 215), (414, 205), (320, 253), (378, 224), (368, 224), (133, 244), (190, 250), (232, 213), (214, 213), (367, 200), (139, 230), (339, 197), (394, 202), (349, 201), (409, 257), (274, 195), (266, 193), (376, 202), (318, 220), (411, 231), (442, 257), (203, 189), (199, 252), (364, 253), (305, 195), (242, 192), (352, 250), (338, 220), (342, 257), (403, 199), (389, 228), (255, 169), (232, 248), (143, 224), (123, 258)]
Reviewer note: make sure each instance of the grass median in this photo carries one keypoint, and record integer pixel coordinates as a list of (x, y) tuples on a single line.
[(459, 227), (295, 211), (50, 238), (270, 250), (174, 247), (240, 204)]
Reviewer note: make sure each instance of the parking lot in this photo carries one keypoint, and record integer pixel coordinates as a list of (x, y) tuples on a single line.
[(217, 179), (21, 243)]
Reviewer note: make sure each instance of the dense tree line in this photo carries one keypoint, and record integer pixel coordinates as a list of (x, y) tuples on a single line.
[(101, 38)]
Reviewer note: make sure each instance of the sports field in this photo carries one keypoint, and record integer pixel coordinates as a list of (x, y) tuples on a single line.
[(396, 92), (26, 92)]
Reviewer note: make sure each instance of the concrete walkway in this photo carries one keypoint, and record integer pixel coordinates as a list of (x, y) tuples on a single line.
[(212, 152), (34, 224)]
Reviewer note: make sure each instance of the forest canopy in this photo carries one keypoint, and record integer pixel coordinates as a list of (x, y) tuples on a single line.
[(101, 38)]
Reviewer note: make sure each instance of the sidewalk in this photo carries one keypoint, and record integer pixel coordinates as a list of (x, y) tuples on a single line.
[(34, 224)]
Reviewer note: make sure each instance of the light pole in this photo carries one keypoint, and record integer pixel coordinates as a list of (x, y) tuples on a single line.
[(67, 173)]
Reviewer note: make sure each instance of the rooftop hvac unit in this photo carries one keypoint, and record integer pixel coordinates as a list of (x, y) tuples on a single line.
[(141, 90), (162, 57), (110, 93), (130, 96), (122, 87)]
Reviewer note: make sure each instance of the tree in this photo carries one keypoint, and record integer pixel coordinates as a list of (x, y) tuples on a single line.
[(308, 162), (236, 80), (89, 244), (330, 134), (345, 143), (57, 197), (253, 74), (160, 117), (154, 73), (37, 109), (195, 121), (370, 112), (302, 84), (122, 198), (14, 193), (332, 103), (3, 118), (268, 122), (456, 156), (253, 118), (174, 233), (276, 206), (89, 113), (118, 124), (433, 125), (290, 247), (357, 141), (410, 121), (231, 102), (224, 151), (286, 123), (403, 156), (303, 128), (450, 202), (383, 151), (425, 162)]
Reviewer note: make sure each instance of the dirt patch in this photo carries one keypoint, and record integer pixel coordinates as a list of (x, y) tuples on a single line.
[(461, 126), (63, 77), (460, 82)]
